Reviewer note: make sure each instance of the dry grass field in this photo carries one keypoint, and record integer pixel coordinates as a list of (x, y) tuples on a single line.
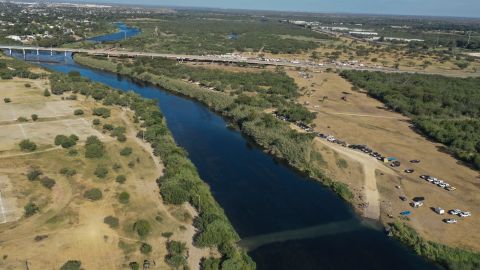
[(67, 225), (359, 119)]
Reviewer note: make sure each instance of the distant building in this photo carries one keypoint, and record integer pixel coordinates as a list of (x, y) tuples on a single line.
[(360, 33)]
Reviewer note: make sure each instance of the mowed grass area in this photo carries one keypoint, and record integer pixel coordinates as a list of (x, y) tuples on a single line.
[(67, 225), (359, 119)]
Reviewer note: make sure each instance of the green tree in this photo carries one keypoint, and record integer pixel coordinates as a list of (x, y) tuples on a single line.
[(142, 227), (124, 197), (27, 145), (71, 265), (93, 194)]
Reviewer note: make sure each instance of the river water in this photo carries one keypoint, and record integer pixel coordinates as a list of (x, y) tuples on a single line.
[(292, 221)]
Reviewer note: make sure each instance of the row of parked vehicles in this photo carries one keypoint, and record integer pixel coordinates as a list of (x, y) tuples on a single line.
[(439, 182)]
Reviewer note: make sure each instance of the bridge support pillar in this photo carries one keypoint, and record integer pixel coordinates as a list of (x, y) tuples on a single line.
[(9, 51), (51, 52), (24, 54), (65, 54), (38, 52)]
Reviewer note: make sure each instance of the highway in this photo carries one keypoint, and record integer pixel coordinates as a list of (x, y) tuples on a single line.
[(228, 59)]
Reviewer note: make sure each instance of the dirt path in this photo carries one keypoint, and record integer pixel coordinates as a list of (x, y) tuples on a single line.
[(369, 166)]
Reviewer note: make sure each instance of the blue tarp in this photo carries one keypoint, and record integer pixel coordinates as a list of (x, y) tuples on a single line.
[(405, 213)]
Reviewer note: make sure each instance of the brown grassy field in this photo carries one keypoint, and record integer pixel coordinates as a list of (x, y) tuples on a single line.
[(67, 225), (363, 120)]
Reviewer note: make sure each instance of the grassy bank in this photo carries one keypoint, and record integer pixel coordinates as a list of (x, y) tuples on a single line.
[(448, 257), (180, 182)]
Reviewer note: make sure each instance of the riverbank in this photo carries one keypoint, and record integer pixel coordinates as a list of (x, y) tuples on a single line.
[(240, 115)]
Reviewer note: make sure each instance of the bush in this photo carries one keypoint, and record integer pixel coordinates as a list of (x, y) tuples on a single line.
[(101, 172), (145, 248), (27, 85), (122, 138), (211, 264), (94, 148), (126, 151), (121, 179), (66, 142), (102, 111), (27, 145), (31, 209), (22, 119), (134, 266), (68, 172), (111, 221), (176, 254), (34, 117), (48, 182), (33, 174), (71, 265), (78, 112), (108, 127), (124, 197), (7, 100), (142, 228), (46, 93), (96, 122), (93, 194)]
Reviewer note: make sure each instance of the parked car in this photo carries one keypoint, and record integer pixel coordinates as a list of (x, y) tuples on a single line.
[(450, 220), (454, 211), (465, 214), (409, 170), (450, 188), (414, 161), (439, 210), (424, 177), (403, 198)]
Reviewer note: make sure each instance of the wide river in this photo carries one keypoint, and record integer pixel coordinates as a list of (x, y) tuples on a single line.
[(291, 221)]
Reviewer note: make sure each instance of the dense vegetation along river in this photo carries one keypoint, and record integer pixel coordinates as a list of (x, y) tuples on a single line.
[(290, 221)]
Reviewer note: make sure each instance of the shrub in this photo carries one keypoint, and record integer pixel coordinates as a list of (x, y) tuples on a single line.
[(211, 264), (134, 266), (111, 221), (22, 119), (72, 97), (66, 142), (94, 148), (48, 182), (78, 112), (34, 117), (122, 138), (68, 172), (27, 145), (145, 248), (46, 93), (126, 151), (131, 164), (176, 254), (31, 209), (71, 265), (142, 228), (96, 122), (102, 111), (108, 127), (27, 85), (124, 197), (7, 100), (121, 179), (101, 172), (93, 194), (33, 174)]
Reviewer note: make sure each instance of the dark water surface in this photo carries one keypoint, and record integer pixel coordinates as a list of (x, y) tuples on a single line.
[(261, 196), (124, 32)]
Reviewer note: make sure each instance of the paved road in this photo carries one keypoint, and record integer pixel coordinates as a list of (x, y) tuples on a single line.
[(224, 59)]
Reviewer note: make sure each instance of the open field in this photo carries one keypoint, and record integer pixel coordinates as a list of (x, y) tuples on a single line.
[(358, 119), (67, 225)]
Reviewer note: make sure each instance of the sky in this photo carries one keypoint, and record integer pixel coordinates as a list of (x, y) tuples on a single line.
[(457, 8)]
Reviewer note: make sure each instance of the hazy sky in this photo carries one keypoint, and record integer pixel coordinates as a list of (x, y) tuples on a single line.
[(460, 8)]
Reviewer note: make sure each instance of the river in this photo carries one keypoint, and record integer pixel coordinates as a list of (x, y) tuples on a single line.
[(289, 220)]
